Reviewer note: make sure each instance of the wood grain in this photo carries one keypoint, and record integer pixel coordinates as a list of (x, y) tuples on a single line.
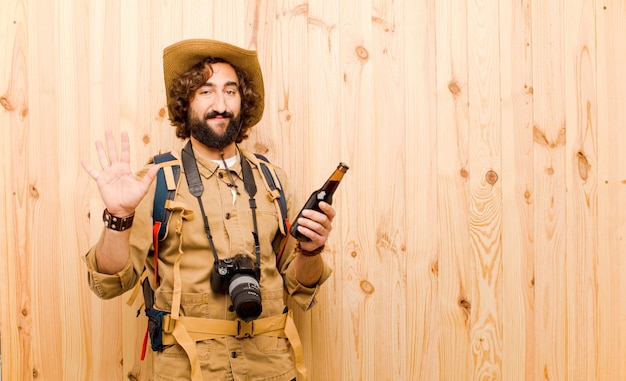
[(549, 133), (421, 323), (456, 282), (582, 184), (611, 77), (485, 178), (516, 89), (480, 228), (16, 327)]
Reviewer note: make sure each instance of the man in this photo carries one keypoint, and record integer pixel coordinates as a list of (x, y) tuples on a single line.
[(211, 326)]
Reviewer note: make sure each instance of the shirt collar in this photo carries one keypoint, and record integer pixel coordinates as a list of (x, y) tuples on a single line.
[(209, 168)]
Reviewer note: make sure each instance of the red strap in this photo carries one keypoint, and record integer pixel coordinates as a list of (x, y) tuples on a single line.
[(144, 345), (282, 247), (155, 243)]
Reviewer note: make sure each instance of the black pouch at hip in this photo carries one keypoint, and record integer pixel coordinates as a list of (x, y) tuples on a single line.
[(155, 328), (155, 318)]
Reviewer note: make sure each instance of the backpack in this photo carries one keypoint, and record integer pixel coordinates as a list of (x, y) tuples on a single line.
[(167, 180)]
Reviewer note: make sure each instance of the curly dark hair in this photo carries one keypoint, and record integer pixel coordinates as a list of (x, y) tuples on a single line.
[(184, 87)]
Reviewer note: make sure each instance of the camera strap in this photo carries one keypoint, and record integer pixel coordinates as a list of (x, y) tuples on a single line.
[(196, 188), (250, 187)]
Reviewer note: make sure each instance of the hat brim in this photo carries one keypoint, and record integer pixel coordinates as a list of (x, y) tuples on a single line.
[(182, 56)]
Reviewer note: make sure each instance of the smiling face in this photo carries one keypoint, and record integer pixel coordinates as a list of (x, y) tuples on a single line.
[(214, 110), (185, 88)]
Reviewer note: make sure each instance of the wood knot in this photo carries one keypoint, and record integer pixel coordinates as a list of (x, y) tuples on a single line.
[(583, 166), (6, 104), (465, 305), (540, 137), (464, 173), (34, 192), (367, 287), (362, 53), (146, 139), (454, 88), (261, 148), (162, 112), (435, 268), (284, 115), (527, 197), (491, 177)]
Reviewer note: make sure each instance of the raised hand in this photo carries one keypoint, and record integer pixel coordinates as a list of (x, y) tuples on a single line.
[(121, 190)]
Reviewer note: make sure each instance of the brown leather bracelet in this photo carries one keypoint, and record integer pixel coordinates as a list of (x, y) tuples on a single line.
[(313, 253), (117, 223)]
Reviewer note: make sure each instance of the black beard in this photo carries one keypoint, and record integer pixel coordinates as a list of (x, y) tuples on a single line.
[(205, 134)]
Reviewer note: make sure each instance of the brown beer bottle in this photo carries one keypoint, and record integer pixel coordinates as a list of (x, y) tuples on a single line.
[(325, 193)]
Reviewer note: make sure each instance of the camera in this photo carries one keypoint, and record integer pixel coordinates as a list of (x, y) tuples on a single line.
[(240, 278)]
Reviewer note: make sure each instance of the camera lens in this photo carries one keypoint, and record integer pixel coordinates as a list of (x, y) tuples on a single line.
[(245, 293)]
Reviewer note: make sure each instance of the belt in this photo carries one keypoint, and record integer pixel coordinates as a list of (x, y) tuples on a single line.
[(186, 331), (203, 329)]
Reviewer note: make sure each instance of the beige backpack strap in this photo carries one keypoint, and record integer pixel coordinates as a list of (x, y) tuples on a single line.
[(184, 340), (136, 289), (179, 332), (294, 339)]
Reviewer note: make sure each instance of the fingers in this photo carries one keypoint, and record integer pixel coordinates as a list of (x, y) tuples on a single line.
[(149, 177), (107, 155), (89, 169), (317, 226), (110, 145), (102, 156), (325, 218), (125, 151), (328, 210)]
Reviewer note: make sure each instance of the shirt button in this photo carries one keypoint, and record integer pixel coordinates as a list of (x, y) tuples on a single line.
[(233, 355), (228, 216)]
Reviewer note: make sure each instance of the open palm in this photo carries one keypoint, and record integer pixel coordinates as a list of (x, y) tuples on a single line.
[(121, 190)]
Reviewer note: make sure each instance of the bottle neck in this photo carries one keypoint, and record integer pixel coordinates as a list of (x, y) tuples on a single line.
[(333, 181), (330, 186)]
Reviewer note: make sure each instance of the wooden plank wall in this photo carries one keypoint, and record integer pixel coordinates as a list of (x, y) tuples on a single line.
[(481, 226)]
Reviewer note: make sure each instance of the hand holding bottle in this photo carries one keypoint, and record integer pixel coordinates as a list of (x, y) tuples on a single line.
[(315, 226), (315, 205)]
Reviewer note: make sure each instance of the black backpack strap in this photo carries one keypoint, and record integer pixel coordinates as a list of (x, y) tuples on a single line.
[(282, 201), (278, 196), (166, 184)]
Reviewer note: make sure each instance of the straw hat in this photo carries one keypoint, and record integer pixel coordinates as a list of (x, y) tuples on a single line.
[(182, 56)]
